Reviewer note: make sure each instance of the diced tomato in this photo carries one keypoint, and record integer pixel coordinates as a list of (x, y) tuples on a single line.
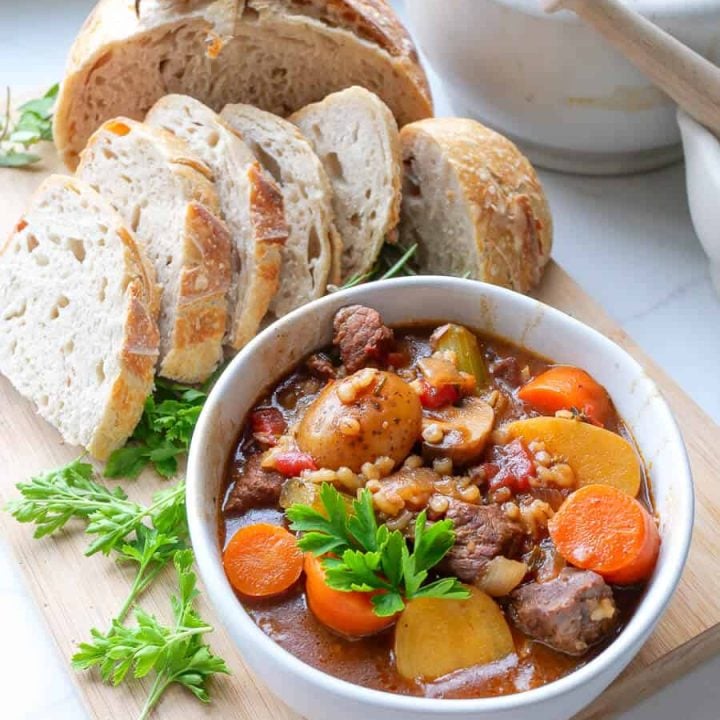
[(435, 397), (515, 466), (293, 462), (267, 425)]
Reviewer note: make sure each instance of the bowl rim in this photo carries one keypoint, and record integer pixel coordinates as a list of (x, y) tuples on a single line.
[(656, 10), (234, 617)]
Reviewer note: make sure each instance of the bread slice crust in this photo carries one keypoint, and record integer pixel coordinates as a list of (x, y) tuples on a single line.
[(356, 138), (469, 176), (109, 419), (277, 54), (120, 160), (251, 203), (311, 255)]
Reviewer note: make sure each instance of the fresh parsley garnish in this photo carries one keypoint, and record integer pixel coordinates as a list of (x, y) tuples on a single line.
[(52, 499), (170, 654), (163, 433), (150, 537), (34, 125), (367, 557)]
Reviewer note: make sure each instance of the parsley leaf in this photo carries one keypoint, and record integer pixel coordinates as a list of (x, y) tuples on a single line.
[(163, 433), (149, 537), (367, 557), (151, 550), (52, 499), (171, 654), (431, 544), (323, 533), (34, 125)]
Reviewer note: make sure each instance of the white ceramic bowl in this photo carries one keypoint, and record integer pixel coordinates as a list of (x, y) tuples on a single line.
[(702, 175), (554, 85), (523, 320)]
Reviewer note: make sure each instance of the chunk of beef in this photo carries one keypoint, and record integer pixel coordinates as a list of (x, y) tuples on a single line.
[(570, 613), (508, 370), (482, 532), (361, 336), (321, 367), (267, 424), (254, 487)]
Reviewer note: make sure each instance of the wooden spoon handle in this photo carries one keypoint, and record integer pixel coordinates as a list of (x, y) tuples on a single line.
[(688, 78)]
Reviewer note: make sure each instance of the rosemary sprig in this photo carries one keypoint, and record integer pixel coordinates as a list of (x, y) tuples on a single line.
[(394, 261)]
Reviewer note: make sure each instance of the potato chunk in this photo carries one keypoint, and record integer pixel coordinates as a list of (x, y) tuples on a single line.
[(596, 455), (365, 416), (435, 637)]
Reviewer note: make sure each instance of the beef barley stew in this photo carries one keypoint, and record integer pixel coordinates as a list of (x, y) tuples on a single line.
[(429, 511)]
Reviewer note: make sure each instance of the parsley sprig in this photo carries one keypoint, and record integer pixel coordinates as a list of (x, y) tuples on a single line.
[(171, 654), (52, 499), (150, 537), (367, 557), (34, 125), (163, 433)]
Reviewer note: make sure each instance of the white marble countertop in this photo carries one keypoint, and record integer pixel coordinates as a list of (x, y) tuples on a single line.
[(627, 241)]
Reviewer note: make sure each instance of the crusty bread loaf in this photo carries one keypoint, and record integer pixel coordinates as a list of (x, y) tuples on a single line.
[(78, 332), (313, 242), (251, 204), (165, 194), (473, 203), (276, 54), (356, 138)]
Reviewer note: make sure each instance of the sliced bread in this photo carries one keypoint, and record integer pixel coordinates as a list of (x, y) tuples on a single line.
[(279, 55), (166, 195), (251, 204), (78, 332), (473, 203), (307, 258), (356, 138)]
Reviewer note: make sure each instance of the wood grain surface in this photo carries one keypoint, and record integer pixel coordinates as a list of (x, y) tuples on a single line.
[(76, 593)]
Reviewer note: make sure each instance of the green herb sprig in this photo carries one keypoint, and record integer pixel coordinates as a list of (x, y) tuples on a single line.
[(149, 537), (367, 557), (52, 499), (163, 433), (394, 261), (171, 654), (34, 125)]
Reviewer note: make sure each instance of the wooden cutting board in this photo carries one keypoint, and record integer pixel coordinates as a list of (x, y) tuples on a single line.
[(76, 593)]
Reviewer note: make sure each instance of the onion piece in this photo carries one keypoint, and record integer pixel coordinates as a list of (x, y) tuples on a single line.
[(501, 576)]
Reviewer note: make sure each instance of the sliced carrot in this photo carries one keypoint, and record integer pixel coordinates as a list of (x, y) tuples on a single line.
[(262, 560), (563, 388), (603, 529), (348, 613)]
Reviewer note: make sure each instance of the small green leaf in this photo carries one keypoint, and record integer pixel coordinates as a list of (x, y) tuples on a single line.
[(11, 158), (387, 604), (128, 462), (449, 588), (363, 524)]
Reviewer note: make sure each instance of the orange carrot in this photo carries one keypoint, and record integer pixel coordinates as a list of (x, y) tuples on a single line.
[(603, 529), (564, 387), (348, 613), (262, 560)]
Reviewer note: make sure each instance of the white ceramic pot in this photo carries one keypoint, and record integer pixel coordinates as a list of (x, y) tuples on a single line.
[(319, 696), (555, 86), (702, 174)]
